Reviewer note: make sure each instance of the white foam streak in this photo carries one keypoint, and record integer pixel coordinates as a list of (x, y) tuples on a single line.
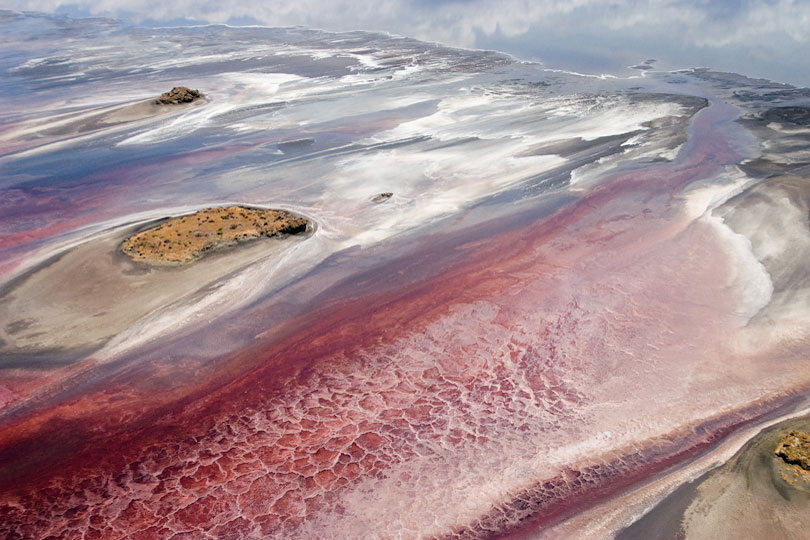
[(748, 278), (230, 293), (235, 90)]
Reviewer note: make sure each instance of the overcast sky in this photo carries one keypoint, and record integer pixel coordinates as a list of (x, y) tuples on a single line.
[(767, 38)]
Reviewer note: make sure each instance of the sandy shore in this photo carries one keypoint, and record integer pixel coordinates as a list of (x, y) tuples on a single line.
[(754, 495), (86, 122)]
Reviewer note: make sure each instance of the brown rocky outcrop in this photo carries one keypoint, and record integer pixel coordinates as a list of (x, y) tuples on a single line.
[(794, 448), (177, 95), (185, 239)]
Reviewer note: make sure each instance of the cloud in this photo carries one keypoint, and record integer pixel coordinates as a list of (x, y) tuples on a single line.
[(713, 30)]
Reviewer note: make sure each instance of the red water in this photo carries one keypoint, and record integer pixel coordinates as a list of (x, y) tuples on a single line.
[(487, 382)]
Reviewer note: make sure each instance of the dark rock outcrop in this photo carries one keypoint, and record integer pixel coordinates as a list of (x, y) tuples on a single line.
[(177, 95), (799, 116), (382, 197)]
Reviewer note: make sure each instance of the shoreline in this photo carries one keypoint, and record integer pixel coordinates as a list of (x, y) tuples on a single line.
[(41, 310)]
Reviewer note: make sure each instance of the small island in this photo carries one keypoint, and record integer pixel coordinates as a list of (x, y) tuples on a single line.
[(382, 197), (178, 95), (794, 448), (184, 239)]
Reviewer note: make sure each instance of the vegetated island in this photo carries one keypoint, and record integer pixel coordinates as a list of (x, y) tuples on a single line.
[(184, 239)]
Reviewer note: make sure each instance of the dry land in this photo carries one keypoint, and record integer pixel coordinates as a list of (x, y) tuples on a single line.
[(185, 239), (762, 492)]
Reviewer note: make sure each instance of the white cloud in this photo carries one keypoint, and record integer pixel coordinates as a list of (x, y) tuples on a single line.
[(755, 28)]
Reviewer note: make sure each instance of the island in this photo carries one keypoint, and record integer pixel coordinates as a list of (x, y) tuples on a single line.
[(382, 197), (184, 239), (794, 448), (178, 95)]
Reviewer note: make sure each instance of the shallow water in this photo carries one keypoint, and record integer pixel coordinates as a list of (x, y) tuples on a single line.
[(552, 311)]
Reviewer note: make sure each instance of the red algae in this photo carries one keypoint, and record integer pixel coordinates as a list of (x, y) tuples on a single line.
[(534, 305), (388, 401)]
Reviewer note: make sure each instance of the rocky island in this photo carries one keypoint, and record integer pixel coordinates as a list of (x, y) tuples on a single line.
[(178, 95), (184, 239), (382, 197), (794, 448)]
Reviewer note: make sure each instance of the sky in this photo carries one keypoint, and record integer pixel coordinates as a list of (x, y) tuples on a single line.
[(760, 38)]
